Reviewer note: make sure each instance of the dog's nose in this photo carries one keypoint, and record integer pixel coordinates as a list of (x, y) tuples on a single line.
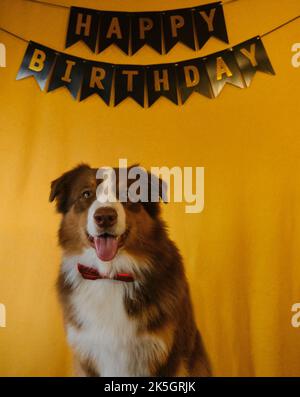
[(105, 217)]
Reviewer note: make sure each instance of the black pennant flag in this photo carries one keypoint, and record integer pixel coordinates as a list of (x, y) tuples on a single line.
[(37, 62), (161, 81), (83, 25), (252, 56), (210, 21), (67, 72), (192, 77), (130, 82), (222, 68), (97, 79), (178, 26), (146, 29), (114, 29)]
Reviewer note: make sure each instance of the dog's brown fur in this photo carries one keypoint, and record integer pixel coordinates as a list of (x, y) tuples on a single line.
[(161, 305)]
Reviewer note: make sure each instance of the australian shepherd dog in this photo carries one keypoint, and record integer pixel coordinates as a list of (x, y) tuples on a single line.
[(126, 302)]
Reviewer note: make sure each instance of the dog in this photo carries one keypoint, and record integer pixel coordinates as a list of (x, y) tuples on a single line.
[(125, 298)]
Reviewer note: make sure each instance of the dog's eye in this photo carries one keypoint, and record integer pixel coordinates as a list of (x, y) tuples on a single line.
[(86, 194)]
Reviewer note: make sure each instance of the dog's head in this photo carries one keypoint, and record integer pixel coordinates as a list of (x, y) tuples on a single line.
[(108, 223)]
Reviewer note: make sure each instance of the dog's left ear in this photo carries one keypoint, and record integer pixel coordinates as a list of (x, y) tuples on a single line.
[(61, 188), (158, 188)]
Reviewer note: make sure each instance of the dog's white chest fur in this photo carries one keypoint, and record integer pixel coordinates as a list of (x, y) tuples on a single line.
[(107, 335)]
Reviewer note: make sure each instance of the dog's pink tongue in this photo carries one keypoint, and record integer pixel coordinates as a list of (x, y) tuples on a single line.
[(106, 247)]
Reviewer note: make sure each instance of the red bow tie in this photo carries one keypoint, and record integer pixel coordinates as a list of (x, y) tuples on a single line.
[(90, 273)]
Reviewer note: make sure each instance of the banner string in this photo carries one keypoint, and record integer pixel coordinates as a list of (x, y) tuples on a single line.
[(14, 35), (263, 35), (280, 26), (47, 3), (228, 2)]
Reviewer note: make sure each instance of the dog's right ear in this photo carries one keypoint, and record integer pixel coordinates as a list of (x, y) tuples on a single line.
[(61, 188)]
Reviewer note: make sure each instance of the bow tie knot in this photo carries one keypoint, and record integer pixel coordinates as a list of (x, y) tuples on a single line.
[(90, 273)]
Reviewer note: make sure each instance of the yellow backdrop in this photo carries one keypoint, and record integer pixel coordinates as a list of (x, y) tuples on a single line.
[(241, 254)]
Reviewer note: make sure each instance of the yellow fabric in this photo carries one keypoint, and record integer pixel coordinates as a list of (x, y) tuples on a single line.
[(241, 254)]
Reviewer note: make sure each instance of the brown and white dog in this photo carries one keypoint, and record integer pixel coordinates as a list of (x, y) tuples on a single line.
[(122, 285)]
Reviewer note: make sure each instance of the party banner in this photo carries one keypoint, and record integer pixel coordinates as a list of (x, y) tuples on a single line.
[(192, 77), (114, 29), (83, 25), (178, 27), (161, 81), (252, 56), (210, 22), (160, 30), (68, 72), (129, 82), (145, 84), (146, 30), (37, 62), (222, 68), (97, 79)]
